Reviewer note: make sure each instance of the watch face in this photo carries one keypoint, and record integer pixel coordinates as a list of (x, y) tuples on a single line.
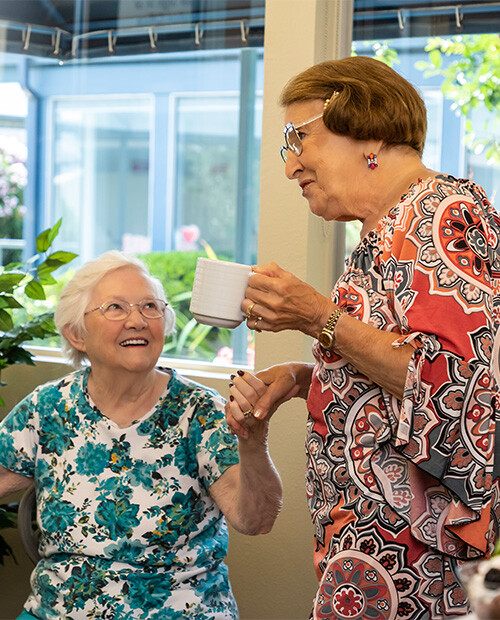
[(326, 340)]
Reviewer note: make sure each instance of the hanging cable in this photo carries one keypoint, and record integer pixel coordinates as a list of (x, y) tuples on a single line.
[(111, 42), (153, 37), (26, 38), (198, 34), (401, 20), (56, 42), (244, 32)]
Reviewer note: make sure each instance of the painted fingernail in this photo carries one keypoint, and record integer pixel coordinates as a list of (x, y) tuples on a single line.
[(231, 397), (231, 384), (232, 377), (240, 372)]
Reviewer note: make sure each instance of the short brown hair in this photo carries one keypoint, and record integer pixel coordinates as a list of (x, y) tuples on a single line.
[(373, 102)]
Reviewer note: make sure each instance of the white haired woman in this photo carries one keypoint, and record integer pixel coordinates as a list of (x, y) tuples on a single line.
[(134, 466)]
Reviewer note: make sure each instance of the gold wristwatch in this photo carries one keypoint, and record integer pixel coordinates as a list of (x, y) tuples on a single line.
[(327, 337)]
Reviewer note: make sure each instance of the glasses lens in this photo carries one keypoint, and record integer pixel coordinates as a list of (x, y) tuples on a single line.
[(293, 140), (115, 310), (152, 308)]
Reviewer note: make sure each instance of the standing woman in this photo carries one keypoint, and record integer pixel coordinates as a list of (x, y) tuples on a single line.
[(404, 395)]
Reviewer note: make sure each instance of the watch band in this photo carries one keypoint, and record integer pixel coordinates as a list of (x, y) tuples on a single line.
[(326, 337)]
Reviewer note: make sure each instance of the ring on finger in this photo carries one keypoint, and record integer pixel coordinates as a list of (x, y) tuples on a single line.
[(248, 312), (249, 413)]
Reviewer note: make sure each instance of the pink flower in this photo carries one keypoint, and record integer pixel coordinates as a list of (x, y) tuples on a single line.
[(224, 356), (190, 234)]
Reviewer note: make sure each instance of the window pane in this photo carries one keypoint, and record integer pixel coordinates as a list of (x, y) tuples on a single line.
[(101, 173), (206, 170), (13, 174)]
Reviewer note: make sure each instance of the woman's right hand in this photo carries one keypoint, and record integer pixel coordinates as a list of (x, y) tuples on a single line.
[(264, 392), (276, 300)]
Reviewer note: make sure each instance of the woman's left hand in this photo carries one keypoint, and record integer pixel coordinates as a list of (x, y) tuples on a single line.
[(276, 300)]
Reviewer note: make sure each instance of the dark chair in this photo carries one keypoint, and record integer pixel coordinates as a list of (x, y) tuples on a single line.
[(26, 524)]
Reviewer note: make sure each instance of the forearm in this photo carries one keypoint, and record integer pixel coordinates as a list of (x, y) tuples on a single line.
[(303, 377), (10, 481), (259, 495), (371, 351)]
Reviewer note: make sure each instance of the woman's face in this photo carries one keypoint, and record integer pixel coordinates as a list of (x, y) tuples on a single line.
[(331, 169), (134, 343)]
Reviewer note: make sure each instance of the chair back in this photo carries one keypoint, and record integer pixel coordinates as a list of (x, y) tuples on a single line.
[(26, 524)]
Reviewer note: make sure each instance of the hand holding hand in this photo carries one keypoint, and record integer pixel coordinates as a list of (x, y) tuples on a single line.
[(254, 398)]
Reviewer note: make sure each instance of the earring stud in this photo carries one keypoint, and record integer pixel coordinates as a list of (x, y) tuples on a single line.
[(372, 161)]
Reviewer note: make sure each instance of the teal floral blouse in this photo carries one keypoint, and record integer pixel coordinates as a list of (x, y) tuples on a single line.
[(128, 528)]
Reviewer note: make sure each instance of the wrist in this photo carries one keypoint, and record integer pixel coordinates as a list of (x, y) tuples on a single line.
[(326, 336)]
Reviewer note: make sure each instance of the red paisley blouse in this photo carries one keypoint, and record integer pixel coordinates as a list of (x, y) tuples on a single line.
[(401, 492)]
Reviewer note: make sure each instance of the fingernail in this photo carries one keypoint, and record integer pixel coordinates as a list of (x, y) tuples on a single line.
[(232, 377), (241, 373), (258, 413), (231, 397), (231, 384)]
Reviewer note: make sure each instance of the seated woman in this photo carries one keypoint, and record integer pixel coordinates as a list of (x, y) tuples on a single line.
[(134, 466)]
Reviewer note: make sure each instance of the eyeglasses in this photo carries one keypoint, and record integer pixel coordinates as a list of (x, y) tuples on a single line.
[(117, 309), (292, 140)]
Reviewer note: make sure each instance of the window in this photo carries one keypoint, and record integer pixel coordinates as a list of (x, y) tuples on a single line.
[(99, 178), (206, 174), (144, 138), (13, 111), (447, 53)]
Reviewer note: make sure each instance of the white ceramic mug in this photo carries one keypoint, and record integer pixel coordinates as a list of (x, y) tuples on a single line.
[(218, 290)]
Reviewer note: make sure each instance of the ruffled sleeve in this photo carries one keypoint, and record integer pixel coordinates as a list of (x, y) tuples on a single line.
[(440, 265)]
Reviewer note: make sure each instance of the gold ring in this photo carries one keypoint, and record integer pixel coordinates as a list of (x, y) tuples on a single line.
[(247, 414), (248, 313)]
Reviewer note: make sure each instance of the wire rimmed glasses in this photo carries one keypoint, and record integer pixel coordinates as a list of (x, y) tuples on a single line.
[(292, 139), (118, 309)]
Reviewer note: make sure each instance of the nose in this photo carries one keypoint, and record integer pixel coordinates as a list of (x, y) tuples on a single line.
[(293, 165), (135, 318)]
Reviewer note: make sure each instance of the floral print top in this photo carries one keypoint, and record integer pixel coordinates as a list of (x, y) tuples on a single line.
[(128, 528), (401, 492)]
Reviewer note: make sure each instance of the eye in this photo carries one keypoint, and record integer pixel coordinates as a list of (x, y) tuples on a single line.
[(151, 304), (113, 305), (301, 134)]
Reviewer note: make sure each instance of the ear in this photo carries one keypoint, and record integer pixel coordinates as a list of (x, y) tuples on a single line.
[(76, 340), (372, 146)]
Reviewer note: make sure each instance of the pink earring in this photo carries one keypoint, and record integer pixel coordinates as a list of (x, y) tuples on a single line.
[(372, 161)]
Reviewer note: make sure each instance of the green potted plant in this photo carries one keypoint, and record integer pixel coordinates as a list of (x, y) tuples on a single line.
[(20, 281)]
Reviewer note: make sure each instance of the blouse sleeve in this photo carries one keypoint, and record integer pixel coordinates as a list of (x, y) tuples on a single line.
[(18, 438), (216, 449), (443, 265)]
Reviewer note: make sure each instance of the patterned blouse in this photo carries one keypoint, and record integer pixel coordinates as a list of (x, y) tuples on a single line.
[(128, 528), (401, 492)]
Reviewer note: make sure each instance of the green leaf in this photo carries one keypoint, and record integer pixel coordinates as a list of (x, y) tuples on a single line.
[(435, 58), (8, 281), (60, 258), (19, 355), (6, 322), (45, 239), (7, 301), (45, 278), (34, 290)]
